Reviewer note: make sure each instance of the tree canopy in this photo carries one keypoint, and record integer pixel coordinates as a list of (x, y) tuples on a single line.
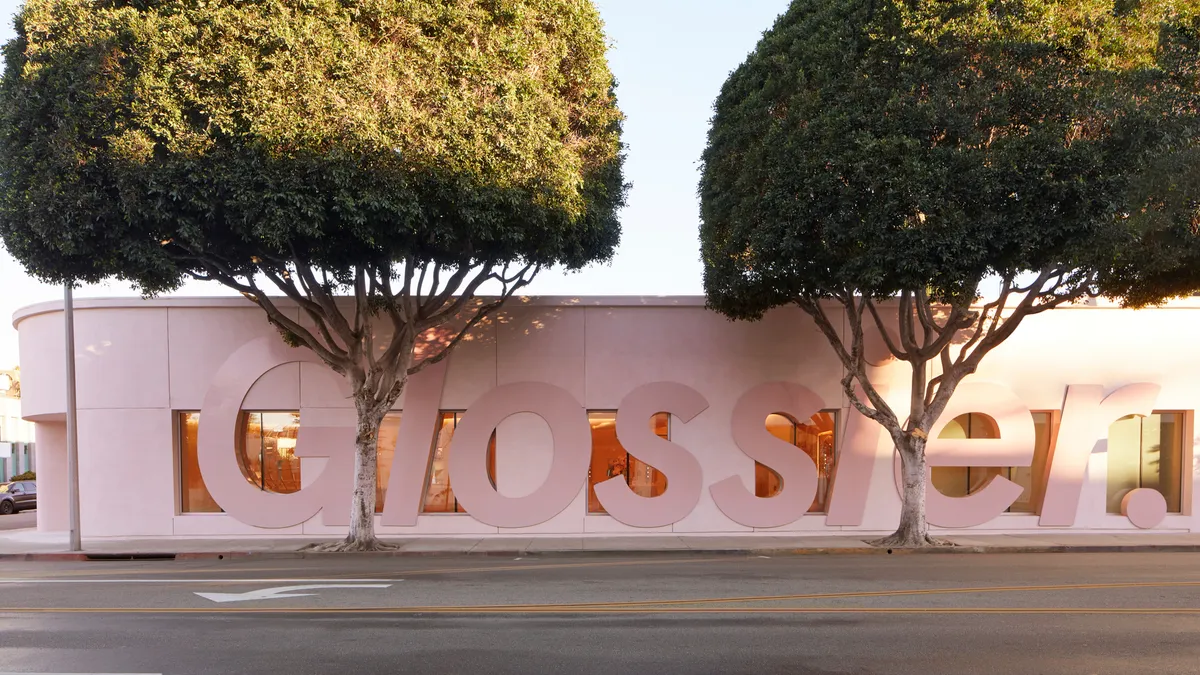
[(405, 153), (892, 145), (153, 139)]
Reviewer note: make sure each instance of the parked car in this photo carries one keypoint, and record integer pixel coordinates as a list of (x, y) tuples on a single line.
[(17, 496)]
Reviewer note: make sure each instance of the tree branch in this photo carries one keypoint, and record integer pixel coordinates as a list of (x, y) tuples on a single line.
[(334, 359), (887, 339), (510, 286), (908, 334), (326, 301), (437, 300), (925, 317), (448, 310), (852, 360), (312, 309)]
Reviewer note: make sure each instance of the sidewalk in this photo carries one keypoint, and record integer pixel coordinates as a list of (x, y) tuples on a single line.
[(33, 545)]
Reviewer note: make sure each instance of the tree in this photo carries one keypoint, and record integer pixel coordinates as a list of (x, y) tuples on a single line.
[(408, 154), (908, 152)]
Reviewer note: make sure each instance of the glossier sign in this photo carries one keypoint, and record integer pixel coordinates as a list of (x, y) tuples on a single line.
[(1086, 415)]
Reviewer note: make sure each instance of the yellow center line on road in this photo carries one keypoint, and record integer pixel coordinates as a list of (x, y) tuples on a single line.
[(893, 593), (829, 596), (805, 596), (682, 605), (553, 609)]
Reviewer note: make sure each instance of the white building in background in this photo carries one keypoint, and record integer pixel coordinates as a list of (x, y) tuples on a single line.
[(16, 435)]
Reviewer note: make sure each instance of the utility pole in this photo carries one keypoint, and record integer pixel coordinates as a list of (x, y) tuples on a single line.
[(72, 422)]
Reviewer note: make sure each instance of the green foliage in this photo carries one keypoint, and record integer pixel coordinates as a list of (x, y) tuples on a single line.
[(878, 146), (139, 135), (1166, 262), (28, 475)]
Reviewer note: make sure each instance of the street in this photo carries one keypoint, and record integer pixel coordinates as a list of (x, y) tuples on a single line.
[(19, 521), (661, 613)]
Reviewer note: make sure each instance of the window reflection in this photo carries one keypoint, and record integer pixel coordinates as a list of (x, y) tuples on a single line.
[(193, 494), (609, 459), (961, 481), (267, 451), (385, 453), (439, 496), (816, 438)]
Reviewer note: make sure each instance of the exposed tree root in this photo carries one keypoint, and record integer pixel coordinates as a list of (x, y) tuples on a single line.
[(352, 546), (899, 540)]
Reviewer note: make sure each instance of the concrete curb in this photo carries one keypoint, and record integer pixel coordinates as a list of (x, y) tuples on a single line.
[(304, 555)]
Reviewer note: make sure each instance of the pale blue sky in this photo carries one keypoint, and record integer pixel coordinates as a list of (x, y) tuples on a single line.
[(671, 57)]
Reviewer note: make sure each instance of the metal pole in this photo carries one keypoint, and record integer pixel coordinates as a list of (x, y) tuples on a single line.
[(72, 426)]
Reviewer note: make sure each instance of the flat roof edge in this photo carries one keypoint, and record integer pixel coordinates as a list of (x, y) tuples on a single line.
[(54, 306), (529, 301)]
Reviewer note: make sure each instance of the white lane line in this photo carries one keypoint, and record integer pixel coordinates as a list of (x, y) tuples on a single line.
[(194, 581), (281, 592)]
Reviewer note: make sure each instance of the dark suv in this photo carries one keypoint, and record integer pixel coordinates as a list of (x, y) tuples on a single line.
[(17, 496)]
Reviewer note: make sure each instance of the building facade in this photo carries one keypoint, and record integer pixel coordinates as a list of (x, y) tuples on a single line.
[(590, 416), (16, 435)]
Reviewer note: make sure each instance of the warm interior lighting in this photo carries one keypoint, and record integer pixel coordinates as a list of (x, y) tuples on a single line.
[(285, 446)]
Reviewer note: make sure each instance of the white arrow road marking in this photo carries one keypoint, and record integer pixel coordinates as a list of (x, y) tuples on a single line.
[(280, 592)]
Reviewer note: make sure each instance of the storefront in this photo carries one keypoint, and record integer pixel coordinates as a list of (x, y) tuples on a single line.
[(601, 416)]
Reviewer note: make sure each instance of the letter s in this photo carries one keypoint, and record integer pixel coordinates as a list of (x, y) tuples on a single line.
[(796, 469), (684, 477)]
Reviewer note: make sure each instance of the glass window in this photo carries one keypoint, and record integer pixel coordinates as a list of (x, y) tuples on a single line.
[(385, 454), (193, 494), (267, 451), (1146, 452), (816, 438), (31, 488), (439, 496), (961, 481), (609, 459), (268, 440)]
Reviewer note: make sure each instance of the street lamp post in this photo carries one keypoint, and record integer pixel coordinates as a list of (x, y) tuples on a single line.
[(72, 424)]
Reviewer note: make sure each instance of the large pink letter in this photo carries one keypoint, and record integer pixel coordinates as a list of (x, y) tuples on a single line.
[(1014, 447), (857, 454), (1086, 416), (414, 445), (684, 478), (229, 487), (797, 471), (568, 469)]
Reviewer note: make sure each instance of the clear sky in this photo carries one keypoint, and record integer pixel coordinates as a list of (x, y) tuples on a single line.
[(670, 57)]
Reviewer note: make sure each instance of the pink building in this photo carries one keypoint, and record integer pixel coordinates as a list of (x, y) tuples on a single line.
[(605, 415)]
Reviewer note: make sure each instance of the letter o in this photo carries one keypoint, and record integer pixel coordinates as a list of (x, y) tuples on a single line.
[(572, 435)]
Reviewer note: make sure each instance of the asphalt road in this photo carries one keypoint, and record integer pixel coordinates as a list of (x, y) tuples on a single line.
[(19, 521), (650, 614)]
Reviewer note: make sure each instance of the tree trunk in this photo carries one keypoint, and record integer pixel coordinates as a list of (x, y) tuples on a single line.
[(914, 528), (366, 472)]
